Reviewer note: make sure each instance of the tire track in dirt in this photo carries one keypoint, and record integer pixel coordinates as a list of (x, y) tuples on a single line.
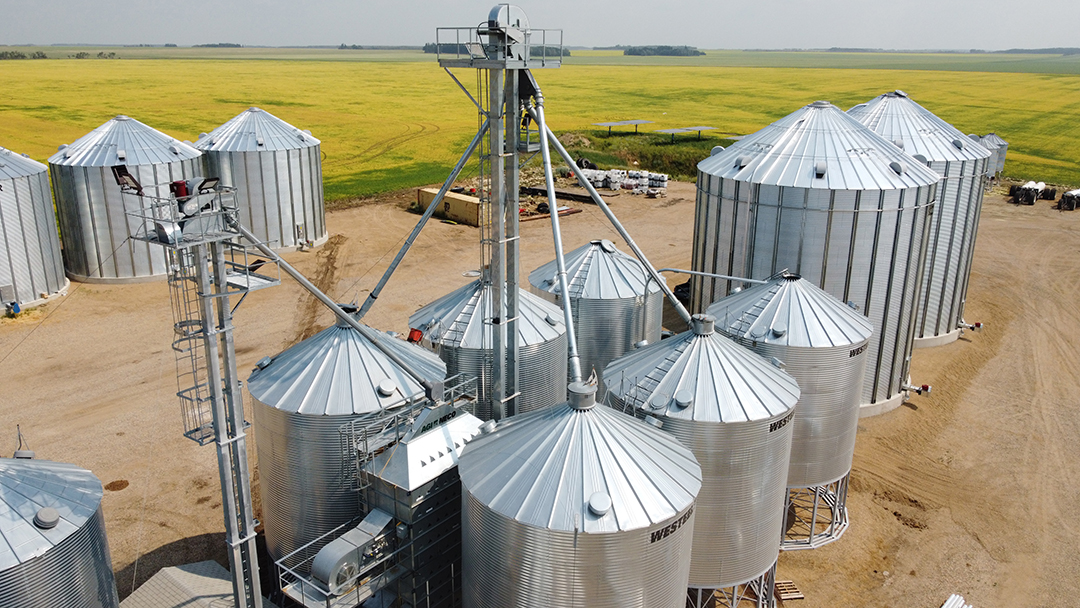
[(385, 145), (1050, 437), (327, 262)]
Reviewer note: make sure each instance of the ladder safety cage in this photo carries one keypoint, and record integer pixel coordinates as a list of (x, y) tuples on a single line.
[(195, 221)]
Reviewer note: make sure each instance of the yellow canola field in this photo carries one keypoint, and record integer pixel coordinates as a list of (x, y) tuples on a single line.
[(389, 125)]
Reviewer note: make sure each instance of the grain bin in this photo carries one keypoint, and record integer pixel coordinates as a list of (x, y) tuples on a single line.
[(277, 172), (999, 147), (93, 224), (31, 266), (732, 408), (302, 397), (961, 164), (457, 327), (819, 194), (822, 343), (55, 552), (576, 505), (612, 311)]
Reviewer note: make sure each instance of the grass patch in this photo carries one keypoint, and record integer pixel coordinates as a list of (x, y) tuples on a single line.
[(646, 151), (377, 181), (396, 120)]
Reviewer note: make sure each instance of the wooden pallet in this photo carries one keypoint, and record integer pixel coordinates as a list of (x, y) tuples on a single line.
[(786, 590)]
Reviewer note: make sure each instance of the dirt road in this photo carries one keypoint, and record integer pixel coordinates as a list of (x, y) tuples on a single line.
[(967, 490), (972, 489)]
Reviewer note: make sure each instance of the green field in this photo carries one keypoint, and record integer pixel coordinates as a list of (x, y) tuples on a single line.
[(393, 119)]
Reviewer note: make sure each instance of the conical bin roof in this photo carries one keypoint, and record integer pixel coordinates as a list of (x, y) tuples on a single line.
[(137, 143), (255, 130), (596, 271), (340, 372), (28, 489), (702, 376), (819, 146), (916, 130), (790, 311), (14, 166), (547, 467), (458, 318), (993, 139)]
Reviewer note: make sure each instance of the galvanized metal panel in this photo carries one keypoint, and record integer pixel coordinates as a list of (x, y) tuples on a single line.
[(456, 327), (140, 144), (961, 163), (786, 153), (93, 223), (16, 270), (29, 245), (612, 310), (740, 510), (305, 483), (67, 566), (255, 130), (731, 407), (993, 141), (899, 119), (868, 249), (822, 343), (790, 310), (542, 372), (510, 565), (421, 457), (302, 398), (529, 534), (339, 372), (649, 476), (277, 172), (205, 584)]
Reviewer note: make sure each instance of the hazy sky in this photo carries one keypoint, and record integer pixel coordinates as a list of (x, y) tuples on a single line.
[(895, 24)]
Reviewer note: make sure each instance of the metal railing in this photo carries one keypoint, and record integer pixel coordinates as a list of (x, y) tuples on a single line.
[(181, 222), (364, 438), (376, 568), (541, 48)]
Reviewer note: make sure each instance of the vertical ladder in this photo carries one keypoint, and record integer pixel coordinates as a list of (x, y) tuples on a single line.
[(188, 347)]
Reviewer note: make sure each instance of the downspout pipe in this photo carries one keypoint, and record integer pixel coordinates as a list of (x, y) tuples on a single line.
[(679, 308), (374, 294), (433, 390), (560, 261)]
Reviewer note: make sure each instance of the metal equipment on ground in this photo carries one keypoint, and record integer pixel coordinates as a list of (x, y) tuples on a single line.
[(1069, 200), (194, 221), (302, 398), (1029, 192), (623, 123), (406, 544)]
